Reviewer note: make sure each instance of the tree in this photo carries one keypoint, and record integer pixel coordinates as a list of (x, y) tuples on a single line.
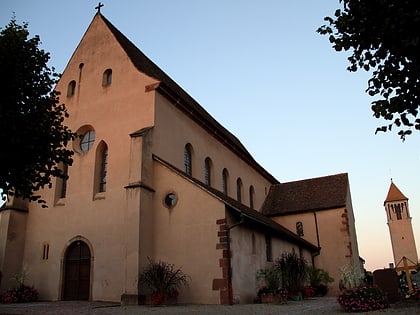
[(383, 36), (32, 134)]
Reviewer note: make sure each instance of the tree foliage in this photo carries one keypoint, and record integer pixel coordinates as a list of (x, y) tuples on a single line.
[(32, 134), (384, 38)]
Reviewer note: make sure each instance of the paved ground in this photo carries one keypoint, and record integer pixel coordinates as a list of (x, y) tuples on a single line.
[(313, 306)]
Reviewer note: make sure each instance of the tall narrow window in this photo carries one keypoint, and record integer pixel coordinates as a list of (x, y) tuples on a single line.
[(63, 188), (107, 77), (398, 211), (299, 228), (225, 181), (188, 159), (71, 88), (251, 196), (61, 185), (45, 251), (239, 189), (254, 251), (207, 171), (101, 169), (104, 164), (268, 249)]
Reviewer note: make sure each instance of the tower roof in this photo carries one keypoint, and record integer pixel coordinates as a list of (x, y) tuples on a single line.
[(394, 194)]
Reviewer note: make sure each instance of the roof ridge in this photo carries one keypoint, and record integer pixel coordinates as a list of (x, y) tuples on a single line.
[(148, 67)]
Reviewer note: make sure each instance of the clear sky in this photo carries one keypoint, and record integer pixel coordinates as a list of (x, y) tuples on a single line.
[(261, 70)]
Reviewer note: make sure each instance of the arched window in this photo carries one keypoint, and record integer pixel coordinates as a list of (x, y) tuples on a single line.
[(225, 181), (104, 166), (251, 196), (188, 159), (239, 189), (398, 211), (71, 88), (107, 77), (101, 167), (207, 171), (299, 228)]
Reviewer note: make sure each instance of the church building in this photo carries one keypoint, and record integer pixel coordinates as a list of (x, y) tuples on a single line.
[(156, 176)]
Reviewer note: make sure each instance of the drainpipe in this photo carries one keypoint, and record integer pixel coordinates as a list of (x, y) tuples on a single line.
[(229, 258), (317, 239)]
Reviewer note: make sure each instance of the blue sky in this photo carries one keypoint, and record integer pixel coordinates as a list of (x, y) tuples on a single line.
[(261, 70)]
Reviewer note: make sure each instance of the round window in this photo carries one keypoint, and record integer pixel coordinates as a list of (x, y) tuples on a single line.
[(87, 140), (170, 200)]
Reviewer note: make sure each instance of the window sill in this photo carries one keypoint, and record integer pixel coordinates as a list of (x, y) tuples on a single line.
[(99, 196), (60, 202)]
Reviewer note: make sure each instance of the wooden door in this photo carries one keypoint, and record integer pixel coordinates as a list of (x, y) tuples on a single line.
[(77, 272)]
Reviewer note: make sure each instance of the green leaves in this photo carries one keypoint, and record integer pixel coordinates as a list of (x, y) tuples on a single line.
[(383, 38)]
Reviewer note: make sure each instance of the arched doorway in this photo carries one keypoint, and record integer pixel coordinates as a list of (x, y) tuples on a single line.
[(77, 261)]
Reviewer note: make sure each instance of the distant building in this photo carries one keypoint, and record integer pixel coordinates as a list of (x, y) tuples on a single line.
[(400, 227), (154, 175)]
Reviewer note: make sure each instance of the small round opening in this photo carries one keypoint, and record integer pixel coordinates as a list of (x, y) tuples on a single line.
[(170, 200)]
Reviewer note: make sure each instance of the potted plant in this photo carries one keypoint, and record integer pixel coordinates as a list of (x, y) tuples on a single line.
[(270, 291), (164, 281), (293, 273), (319, 280)]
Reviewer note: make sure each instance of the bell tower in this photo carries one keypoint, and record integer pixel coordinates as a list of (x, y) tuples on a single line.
[(399, 223)]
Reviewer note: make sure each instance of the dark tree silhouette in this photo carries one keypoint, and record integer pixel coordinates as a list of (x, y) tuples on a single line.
[(33, 137), (383, 37)]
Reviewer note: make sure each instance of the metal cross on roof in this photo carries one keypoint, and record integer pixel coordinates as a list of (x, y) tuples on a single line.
[(100, 5)]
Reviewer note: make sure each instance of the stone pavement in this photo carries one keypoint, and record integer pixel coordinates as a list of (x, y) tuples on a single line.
[(313, 306)]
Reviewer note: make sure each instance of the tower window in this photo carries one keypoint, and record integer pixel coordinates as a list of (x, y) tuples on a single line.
[(398, 211)]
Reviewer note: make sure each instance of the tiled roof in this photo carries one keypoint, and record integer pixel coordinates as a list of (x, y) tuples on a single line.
[(394, 194), (313, 194), (183, 100)]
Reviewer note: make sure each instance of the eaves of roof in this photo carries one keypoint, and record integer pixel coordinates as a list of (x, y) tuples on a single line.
[(251, 216)]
